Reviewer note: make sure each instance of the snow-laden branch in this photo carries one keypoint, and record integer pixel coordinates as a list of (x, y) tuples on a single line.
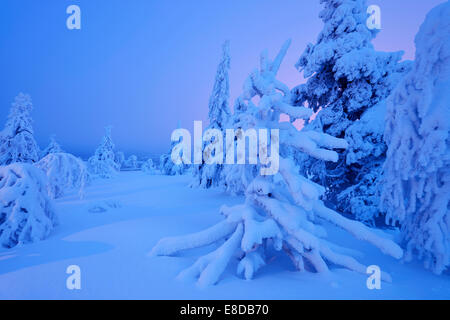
[(170, 246)]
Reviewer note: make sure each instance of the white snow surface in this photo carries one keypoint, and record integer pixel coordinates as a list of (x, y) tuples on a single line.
[(111, 248)]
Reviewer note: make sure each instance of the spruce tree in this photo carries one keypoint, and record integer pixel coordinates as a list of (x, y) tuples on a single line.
[(346, 78), (416, 184), (17, 142), (209, 175), (102, 163)]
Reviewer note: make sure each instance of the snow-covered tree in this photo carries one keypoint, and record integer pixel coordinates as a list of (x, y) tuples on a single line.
[(366, 143), (64, 172), (209, 175), (26, 212), (131, 163), (102, 163), (236, 179), (283, 212), (53, 147), (119, 158), (345, 78), (17, 142), (416, 190), (219, 110), (168, 167), (148, 167)]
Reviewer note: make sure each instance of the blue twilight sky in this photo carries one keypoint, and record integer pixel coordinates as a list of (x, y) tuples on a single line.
[(145, 65)]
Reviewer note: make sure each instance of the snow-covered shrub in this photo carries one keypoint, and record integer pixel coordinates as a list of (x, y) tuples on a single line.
[(148, 167), (284, 212), (119, 158), (416, 185), (64, 172), (53, 147), (209, 175), (26, 211), (17, 143), (345, 78), (102, 164), (131, 163)]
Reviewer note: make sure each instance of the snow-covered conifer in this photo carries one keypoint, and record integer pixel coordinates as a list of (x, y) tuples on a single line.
[(53, 147), (366, 152), (283, 212), (219, 110), (168, 168), (17, 143), (26, 211), (416, 188), (64, 172), (209, 175), (345, 78), (102, 164)]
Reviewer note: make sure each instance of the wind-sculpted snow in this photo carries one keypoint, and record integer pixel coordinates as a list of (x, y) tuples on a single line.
[(26, 211), (417, 171), (282, 214)]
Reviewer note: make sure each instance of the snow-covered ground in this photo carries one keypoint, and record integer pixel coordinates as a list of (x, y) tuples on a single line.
[(110, 233)]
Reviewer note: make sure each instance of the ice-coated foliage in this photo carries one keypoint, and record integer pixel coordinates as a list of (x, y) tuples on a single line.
[(209, 175), (102, 164), (345, 78), (416, 185), (149, 167), (17, 143), (283, 212), (64, 173), (53, 147), (26, 211)]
